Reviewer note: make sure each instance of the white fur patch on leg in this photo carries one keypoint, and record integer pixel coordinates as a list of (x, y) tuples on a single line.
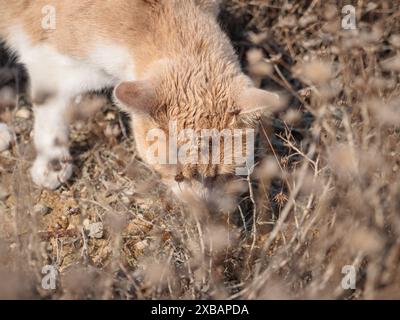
[(53, 165)]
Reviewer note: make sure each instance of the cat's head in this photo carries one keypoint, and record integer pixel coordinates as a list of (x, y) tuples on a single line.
[(196, 127)]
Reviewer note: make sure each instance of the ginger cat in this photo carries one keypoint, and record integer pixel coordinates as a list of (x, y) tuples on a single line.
[(168, 60)]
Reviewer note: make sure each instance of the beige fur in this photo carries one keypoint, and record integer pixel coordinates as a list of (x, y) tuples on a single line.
[(169, 57)]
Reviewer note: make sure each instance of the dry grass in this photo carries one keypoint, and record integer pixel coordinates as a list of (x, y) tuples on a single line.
[(326, 195)]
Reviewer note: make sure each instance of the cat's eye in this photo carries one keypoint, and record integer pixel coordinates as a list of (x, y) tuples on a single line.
[(196, 175)]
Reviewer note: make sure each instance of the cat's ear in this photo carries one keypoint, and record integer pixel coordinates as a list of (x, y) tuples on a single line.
[(258, 101), (136, 96)]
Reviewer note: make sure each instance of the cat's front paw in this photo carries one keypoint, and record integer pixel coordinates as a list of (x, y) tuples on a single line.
[(51, 174)]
